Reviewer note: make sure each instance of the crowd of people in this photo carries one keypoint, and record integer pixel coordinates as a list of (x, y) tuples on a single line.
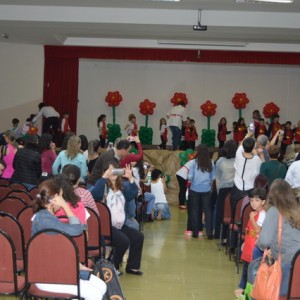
[(259, 161)]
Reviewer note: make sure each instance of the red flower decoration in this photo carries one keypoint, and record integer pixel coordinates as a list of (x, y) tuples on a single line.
[(240, 100), (179, 97), (147, 107), (113, 98), (270, 109), (208, 108), (32, 130)]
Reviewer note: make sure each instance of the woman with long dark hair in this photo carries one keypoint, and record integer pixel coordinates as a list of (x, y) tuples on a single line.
[(49, 200), (201, 176), (281, 200), (115, 193)]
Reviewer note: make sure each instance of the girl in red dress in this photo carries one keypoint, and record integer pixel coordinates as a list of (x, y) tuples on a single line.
[(222, 131), (240, 131)]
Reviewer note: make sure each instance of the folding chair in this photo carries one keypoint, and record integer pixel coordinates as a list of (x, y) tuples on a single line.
[(12, 205), (81, 242), (11, 225), (10, 282), (18, 186), (242, 231), (4, 181), (294, 287), (226, 219), (4, 190), (33, 192), (106, 228), (234, 224), (24, 195), (52, 257), (24, 217), (94, 234), (105, 220)]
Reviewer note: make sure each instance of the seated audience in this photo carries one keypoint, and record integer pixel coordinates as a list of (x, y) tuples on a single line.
[(114, 192), (48, 201), (72, 173), (71, 156), (94, 148), (27, 163), (71, 198)]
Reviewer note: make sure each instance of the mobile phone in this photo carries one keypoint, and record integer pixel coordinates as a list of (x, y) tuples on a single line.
[(281, 132), (132, 139), (118, 172), (85, 275), (251, 127)]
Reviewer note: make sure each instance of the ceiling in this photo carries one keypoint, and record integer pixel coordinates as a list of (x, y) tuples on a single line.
[(152, 24)]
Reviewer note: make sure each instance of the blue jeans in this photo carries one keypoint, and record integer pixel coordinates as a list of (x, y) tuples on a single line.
[(243, 281), (132, 223), (149, 198), (165, 211), (197, 203), (176, 135)]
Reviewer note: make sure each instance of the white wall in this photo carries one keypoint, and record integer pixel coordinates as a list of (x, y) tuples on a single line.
[(21, 81), (158, 81)]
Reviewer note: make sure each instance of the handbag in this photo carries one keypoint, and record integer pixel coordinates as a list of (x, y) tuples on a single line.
[(268, 277)]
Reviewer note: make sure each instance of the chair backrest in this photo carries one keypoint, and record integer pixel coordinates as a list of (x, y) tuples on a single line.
[(94, 229), (12, 205), (8, 270), (25, 196), (294, 287), (52, 257), (227, 207), (245, 217), (33, 192), (246, 200), (11, 225), (18, 186), (81, 242), (24, 217), (4, 190), (105, 220), (237, 211), (4, 181)]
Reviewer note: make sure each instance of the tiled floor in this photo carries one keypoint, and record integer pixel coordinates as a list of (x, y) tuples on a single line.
[(177, 267)]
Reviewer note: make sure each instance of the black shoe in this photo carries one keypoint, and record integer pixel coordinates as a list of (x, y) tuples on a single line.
[(139, 273), (210, 237), (149, 218)]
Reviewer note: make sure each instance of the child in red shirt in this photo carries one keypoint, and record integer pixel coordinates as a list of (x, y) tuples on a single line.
[(256, 219)]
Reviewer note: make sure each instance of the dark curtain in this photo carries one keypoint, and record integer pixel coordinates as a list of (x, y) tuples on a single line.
[(61, 86)]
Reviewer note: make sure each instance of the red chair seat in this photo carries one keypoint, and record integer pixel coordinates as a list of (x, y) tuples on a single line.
[(8, 287)]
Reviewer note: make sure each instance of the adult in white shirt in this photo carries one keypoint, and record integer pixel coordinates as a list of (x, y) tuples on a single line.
[(247, 167), (175, 118), (52, 118), (293, 175)]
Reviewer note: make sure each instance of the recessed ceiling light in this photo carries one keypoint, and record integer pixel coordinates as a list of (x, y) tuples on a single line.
[(265, 1), (164, 0)]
